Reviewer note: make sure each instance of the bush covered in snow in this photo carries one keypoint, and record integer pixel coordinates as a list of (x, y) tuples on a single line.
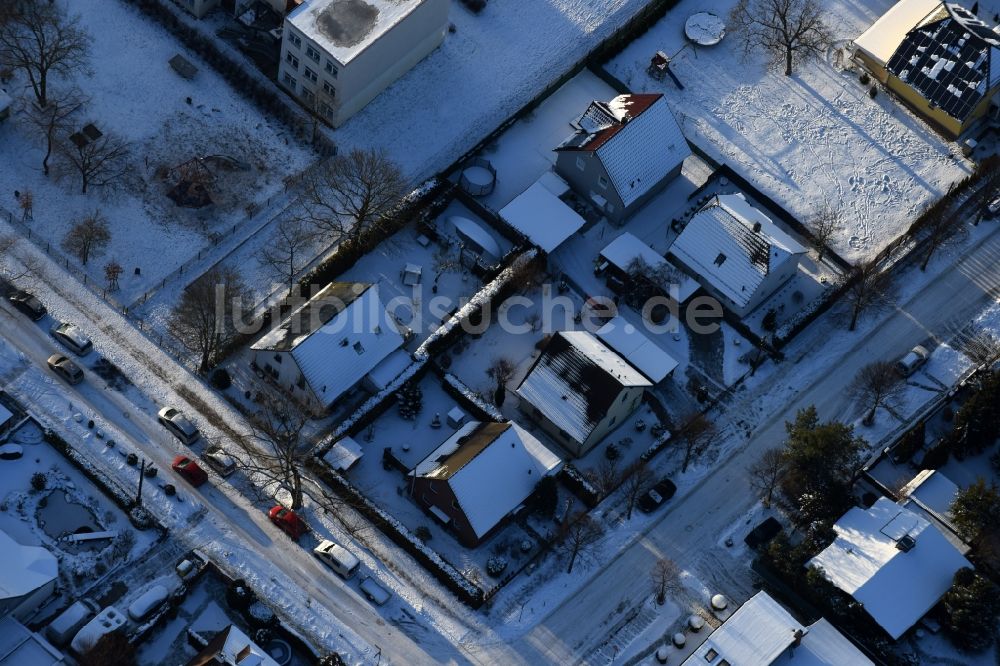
[(496, 565), (260, 614), (38, 481), (410, 400)]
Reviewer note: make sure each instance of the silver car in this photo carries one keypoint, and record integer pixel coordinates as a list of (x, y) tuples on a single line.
[(65, 368), (71, 336), (179, 425), (915, 358)]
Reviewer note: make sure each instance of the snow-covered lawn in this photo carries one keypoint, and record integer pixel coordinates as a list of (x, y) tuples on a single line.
[(135, 94), (805, 139)]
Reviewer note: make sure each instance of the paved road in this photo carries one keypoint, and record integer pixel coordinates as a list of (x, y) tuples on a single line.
[(690, 529)]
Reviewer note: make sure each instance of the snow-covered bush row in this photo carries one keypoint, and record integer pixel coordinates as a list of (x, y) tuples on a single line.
[(491, 412), (580, 486)]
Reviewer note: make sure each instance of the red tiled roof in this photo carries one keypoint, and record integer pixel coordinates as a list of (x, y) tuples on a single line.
[(635, 104)]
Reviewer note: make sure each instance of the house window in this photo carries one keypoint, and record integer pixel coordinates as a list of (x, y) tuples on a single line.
[(329, 89), (309, 74), (721, 259), (613, 419), (301, 383), (277, 358), (331, 69), (295, 39), (359, 348), (307, 96), (581, 163), (603, 182), (711, 655), (433, 488), (312, 53), (564, 434), (325, 109), (289, 81), (292, 60)]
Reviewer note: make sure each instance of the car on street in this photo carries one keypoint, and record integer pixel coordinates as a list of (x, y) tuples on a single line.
[(28, 304), (763, 533), (179, 425), (374, 592), (656, 496), (188, 469), (994, 207), (338, 558), (65, 368), (220, 461), (915, 358), (288, 521), (72, 338)]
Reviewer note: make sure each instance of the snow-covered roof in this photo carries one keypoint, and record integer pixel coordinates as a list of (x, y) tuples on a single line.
[(5, 415), (823, 645), (491, 468), (636, 138), (343, 454), (542, 216), (233, 648), (345, 28), (336, 338), (24, 569), (933, 491), (392, 366), (575, 380), (20, 647), (107, 621), (869, 561), (882, 39), (623, 250), (732, 247), (637, 349)]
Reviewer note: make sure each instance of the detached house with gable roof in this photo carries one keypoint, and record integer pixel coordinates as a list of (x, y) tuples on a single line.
[(737, 252), (479, 476), (622, 153), (329, 344), (579, 390)]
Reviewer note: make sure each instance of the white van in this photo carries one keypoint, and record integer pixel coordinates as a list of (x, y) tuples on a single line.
[(63, 628), (337, 558)]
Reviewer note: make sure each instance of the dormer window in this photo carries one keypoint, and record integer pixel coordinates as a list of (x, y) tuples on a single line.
[(721, 259), (359, 348)]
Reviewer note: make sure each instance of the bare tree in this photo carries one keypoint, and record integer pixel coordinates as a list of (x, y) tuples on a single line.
[(638, 480), (578, 537), (765, 474), (55, 119), (99, 162), (112, 271), (825, 225), (351, 194), (40, 40), (29, 265), (205, 320), (277, 453), (606, 477), (876, 385), (500, 372), (88, 237), (942, 228), (698, 436), (26, 202), (871, 287), (287, 253), (666, 577), (785, 30)]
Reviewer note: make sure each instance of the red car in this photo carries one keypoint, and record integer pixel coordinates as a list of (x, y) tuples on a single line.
[(288, 521), (189, 470)]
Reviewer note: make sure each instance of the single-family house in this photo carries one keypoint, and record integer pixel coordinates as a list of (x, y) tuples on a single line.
[(28, 576), (635, 346), (540, 215), (232, 647), (622, 152), (894, 562), (19, 646), (327, 345), (338, 55), (762, 632), (938, 57), (578, 390), (627, 258), (479, 476), (736, 252)]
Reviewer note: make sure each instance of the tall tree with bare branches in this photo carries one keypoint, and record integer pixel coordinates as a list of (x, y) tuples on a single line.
[(500, 371), (98, 162), (765, 474), (206, 318), (786, 31), (666, 577), (941, 228), (871, 288), (287, 253), (351, 194), (55, 119), (88, 237), (278, 452), (698, 436), (638, 479), (826, 223), (28, 265), (877, 385), (39, 39), (578, 537)]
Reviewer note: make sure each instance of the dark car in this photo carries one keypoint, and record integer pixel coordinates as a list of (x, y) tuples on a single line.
[(657, 495), (189, 470), (763, 533), (28, 304), (65, 368), (288, 521)]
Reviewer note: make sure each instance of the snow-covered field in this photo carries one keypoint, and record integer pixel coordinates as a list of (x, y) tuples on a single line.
[(805, 139), (134, 93)]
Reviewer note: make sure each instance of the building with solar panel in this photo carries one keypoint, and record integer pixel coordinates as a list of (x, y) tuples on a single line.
[(941, 59)]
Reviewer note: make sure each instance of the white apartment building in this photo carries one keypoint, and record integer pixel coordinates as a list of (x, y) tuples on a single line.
[(337, 55)]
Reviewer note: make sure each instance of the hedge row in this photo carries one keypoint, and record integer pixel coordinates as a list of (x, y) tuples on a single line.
[(579, 485)]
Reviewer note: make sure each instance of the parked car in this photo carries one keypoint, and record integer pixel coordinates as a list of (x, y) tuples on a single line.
[(180, 425), (28, 304), (337, 558), (64, 627), (915, 358), (147, 603), (288, 521), (189, 471), (657, 495), (763, 533), (220, 461), (374, 592), (71, 336), (65, 368), (994, 206)]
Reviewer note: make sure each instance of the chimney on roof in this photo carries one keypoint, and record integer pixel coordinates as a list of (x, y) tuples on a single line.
[(906, 543), (756, 227), (797, 637)]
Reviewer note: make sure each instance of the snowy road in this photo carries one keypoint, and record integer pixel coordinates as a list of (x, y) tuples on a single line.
[(690, 530)]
